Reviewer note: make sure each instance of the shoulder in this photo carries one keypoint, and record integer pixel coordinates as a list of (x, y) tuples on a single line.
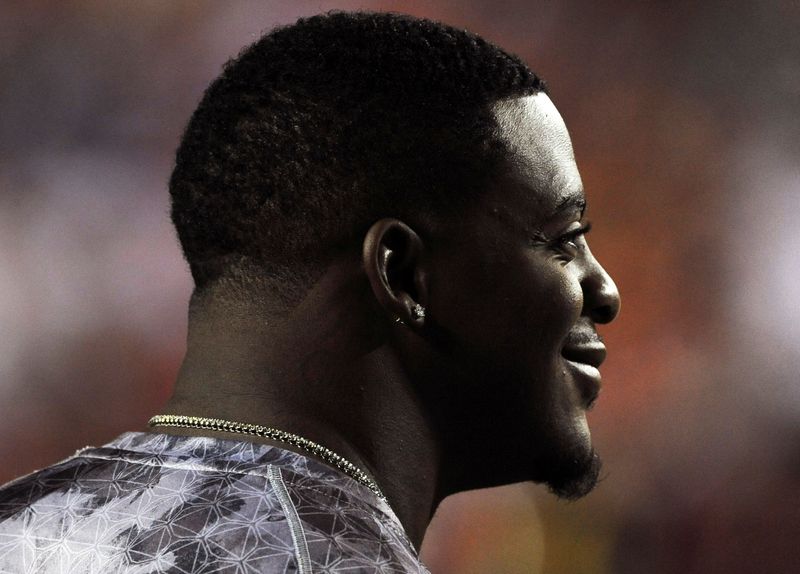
[(127, 509), (342, 528)]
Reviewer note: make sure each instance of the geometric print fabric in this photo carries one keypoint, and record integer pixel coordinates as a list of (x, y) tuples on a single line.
[(150, 503)]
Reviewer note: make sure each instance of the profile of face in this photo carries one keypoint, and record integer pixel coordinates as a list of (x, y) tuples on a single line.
[(515, 297)]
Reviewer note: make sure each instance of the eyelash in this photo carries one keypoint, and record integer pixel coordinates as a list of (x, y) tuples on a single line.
[(574, 234), (562, 241)]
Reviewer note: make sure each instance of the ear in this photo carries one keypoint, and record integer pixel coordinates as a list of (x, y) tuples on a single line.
[(392, 255)]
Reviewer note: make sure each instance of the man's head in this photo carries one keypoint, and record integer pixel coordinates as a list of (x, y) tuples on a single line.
[(321, 128), (441, 160), (514, 295)]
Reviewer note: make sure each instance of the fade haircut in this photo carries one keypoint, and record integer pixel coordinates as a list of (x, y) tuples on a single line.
[(321, 128)]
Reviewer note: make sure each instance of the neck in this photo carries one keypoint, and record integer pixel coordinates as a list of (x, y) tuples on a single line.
[(324, 372)]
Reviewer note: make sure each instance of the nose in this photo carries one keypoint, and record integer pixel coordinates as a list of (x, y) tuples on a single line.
[(601, 300)]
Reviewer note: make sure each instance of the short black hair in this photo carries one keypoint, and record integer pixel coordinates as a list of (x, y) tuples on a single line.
[(322, 127)]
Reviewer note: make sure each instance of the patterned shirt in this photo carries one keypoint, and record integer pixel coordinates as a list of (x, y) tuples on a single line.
[(148, 503)]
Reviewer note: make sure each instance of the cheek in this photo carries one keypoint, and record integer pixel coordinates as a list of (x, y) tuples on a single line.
[(510, 308), (564, 298), (549, 305)]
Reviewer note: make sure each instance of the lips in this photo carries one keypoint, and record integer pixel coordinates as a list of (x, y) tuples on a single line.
[(588, 353), (585, 352)]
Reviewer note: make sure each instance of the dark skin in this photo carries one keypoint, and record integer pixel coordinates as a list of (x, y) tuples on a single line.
[(491, 387)]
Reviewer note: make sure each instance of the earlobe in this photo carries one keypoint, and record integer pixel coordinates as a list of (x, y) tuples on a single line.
[(392, 261)]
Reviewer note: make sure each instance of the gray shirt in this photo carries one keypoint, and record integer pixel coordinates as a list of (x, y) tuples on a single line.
[(148, 503)]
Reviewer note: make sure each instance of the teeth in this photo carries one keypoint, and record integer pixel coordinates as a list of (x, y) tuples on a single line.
[(587, 354), (587, 369)]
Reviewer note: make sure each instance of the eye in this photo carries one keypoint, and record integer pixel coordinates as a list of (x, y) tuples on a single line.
[(566, 243)]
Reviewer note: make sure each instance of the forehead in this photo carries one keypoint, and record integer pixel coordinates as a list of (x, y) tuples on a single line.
[(539, 178)]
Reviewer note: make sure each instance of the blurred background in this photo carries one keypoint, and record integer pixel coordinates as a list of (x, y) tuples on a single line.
[(685, 121)]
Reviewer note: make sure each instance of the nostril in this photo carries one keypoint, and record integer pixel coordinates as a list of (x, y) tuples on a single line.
[(601, 297), (604, 313)]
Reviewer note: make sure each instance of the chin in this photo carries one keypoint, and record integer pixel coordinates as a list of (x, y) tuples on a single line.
[(575, 477), (572, 468)]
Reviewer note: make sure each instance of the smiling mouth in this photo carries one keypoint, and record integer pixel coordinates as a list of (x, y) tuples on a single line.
[(585, 358), (592, 353)]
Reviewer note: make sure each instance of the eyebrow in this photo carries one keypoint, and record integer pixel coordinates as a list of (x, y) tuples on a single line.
[(571, 201)]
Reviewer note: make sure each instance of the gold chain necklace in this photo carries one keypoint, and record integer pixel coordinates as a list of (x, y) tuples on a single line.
[(309, 446)]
